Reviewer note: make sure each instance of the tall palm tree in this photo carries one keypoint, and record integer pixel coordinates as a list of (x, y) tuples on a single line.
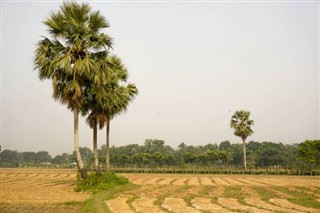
[(118, 96), (106, 99), (93, 120), (94, 94), (68, 57), (241, 123), (124, 95)]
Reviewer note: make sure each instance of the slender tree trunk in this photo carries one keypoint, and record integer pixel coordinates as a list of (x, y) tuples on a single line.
[(244, 155), (95, 150), (108, 146), (81, 168)]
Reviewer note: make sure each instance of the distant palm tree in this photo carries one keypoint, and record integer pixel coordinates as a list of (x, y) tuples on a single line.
[(241, 123), (68, 58)]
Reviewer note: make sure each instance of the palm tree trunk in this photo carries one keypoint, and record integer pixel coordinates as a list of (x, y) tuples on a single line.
[(83, 171), (244, 155), (95, 150), (108, 146)]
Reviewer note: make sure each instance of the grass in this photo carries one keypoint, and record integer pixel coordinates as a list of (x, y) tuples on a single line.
[(95, 183), (264, 193), (233, 192), (96, 203), (299, 197)]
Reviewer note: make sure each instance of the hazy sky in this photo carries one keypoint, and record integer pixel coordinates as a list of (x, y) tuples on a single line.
[(194, 63)]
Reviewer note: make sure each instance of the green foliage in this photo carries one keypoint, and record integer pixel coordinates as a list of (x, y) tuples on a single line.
[(9, 158), (95, 183), (309, 152), (241, 123)]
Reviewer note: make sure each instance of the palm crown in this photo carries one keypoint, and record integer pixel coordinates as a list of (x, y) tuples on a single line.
[(241, 123), (69, 57)]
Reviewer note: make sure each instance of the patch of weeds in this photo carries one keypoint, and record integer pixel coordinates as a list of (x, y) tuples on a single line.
[(173, 191), (97, 203), (95, 183), (196, 191), (264, 193), (131, 200), (233, 192), (205, 191), (300, 198), (307, 191), (306, 202)]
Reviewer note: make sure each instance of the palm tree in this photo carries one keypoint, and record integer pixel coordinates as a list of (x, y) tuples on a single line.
[(106, 99), (93, 94), (118, 97), (68, 57), (93, 120), (124, 95), (241, 123)]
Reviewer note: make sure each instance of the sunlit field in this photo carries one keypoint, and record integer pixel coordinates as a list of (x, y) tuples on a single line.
[(51, 190)]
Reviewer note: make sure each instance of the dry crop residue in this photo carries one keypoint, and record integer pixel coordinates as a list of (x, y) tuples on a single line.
[(211, 193), (39, 190)]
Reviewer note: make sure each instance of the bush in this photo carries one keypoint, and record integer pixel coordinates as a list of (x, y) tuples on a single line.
[(96, 183)]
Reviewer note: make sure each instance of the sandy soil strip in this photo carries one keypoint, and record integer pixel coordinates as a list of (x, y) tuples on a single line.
[(318, 200), (205, 204), (145, 204), (314, 182), (165, 181), (178, 205), (220, 181), (274, 182), (249, 182), (296, 181), (12, 180), (152, 181), (180, 182), (262, 204), (233, 181), (119, 205), (194, 181), (259, 181), (206, 181), (139, 181), (286, 204), (233, 204)]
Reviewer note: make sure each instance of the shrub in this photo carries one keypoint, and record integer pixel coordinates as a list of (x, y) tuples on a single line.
[(96, 183)]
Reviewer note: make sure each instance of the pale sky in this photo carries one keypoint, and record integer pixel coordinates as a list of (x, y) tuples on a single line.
[(194, 63)]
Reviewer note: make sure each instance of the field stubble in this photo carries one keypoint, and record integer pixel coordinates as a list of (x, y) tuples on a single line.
[(51, 190)]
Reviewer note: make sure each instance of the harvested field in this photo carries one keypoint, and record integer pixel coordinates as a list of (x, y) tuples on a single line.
[(224, 193), (39, 190), (50, 190)]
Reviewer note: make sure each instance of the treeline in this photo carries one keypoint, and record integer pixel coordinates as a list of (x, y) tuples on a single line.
[(156, 154)]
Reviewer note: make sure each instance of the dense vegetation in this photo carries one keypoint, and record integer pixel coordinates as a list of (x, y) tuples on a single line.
[(96, 183), (156, 154)]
